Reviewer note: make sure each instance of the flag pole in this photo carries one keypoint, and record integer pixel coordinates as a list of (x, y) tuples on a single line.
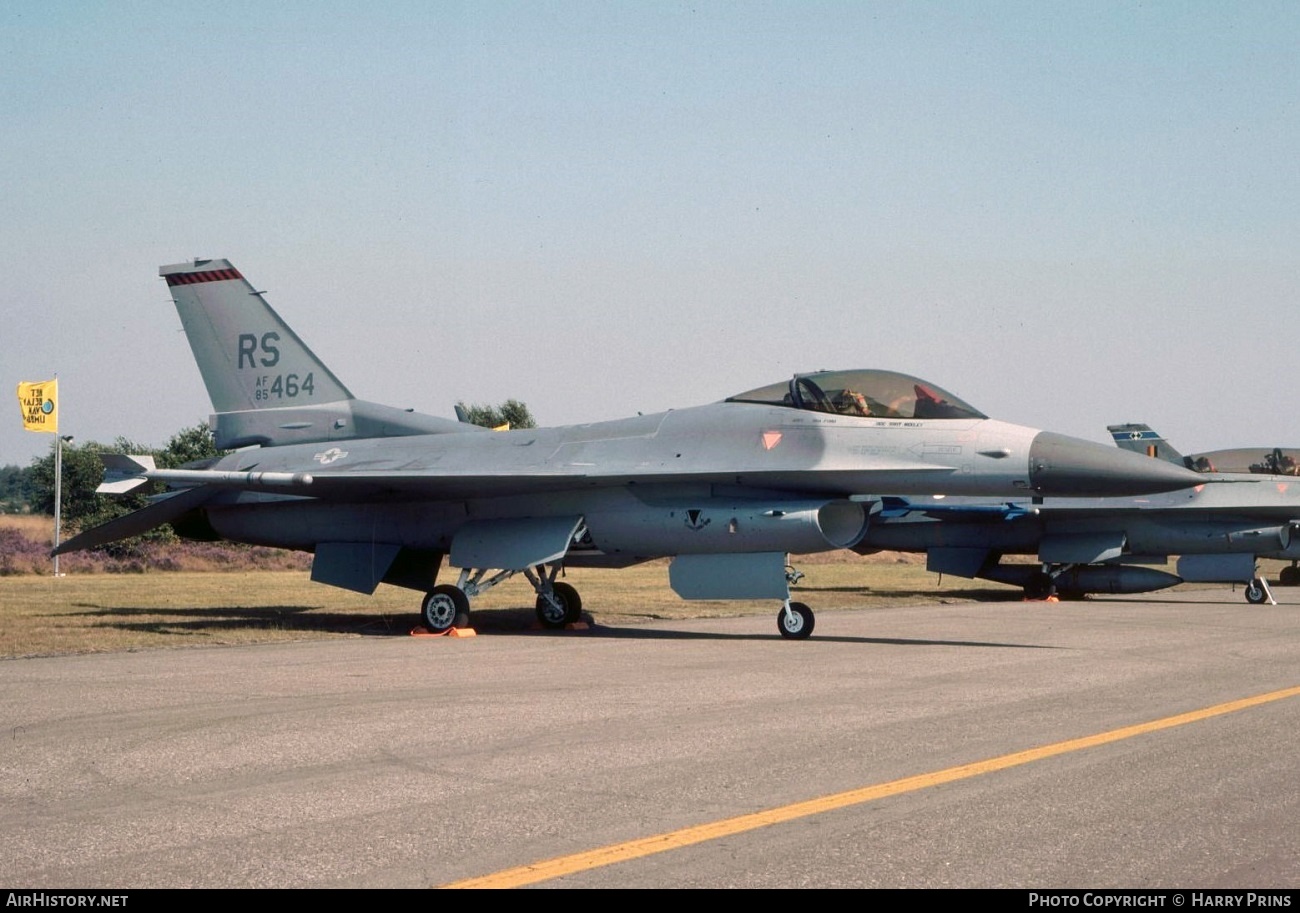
[(58, 495), (60, 438)]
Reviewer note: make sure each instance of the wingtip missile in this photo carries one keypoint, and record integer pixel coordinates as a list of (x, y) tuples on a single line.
[(123, 473)]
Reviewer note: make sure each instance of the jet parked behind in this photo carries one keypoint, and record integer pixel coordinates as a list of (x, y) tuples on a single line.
[(1217, 530), (1269, 461), (727, 489), (1274, 461)]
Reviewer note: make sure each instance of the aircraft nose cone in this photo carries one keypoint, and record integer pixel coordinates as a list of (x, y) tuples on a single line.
[(1069, 466)]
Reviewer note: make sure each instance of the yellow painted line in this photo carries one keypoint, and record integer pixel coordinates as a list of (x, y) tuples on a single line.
[(661, 843)]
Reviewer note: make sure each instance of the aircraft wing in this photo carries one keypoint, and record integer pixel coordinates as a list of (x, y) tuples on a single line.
[(434, 484)]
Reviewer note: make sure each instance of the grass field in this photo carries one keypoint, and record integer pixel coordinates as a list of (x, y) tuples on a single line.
[(89, 610), (86, 613)]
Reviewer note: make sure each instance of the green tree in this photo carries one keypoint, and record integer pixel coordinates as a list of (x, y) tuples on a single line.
[(511, 412), (189, 448), (15, 489)]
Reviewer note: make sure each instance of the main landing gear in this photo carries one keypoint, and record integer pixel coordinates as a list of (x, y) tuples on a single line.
[(558, 603), (447, 606), (1041, 585), (442, 606)]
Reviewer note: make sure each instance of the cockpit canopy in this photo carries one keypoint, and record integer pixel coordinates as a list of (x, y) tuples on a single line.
[(865, 393), (1276, 462)]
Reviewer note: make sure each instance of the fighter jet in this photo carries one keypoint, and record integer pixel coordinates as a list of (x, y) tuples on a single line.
[(1217, 530), (727, 490), (1273, 461), (1270, 461)]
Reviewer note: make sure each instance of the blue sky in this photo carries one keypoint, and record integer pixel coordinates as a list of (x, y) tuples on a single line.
[(1069, 214)]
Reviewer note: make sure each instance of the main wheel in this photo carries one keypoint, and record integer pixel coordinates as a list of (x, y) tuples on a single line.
[(563, 606), (1289, 576), (1040, 586), (796, 624), (1255, 592), (441, 606)]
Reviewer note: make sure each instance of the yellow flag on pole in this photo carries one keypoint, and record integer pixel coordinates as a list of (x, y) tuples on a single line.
[(40, 404)]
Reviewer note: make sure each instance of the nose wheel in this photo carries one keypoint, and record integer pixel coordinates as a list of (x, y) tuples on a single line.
[(795, 621), (1258, 593)]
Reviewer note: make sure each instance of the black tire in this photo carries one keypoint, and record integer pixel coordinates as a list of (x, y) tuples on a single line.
[(1289, 576), (1040, 586), (442, 606), (1255, 593), (797, 624), (564, 608)]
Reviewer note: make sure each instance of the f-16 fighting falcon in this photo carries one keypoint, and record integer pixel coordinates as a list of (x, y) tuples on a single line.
[(727, 489)]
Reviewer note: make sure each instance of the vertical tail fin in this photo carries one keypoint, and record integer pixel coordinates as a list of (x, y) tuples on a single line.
[(266, 386), (1141, 439), (248, 356)]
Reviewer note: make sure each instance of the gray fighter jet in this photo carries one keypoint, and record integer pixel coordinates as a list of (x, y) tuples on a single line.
[(1273, 461), (727, 490), (1218, 531)]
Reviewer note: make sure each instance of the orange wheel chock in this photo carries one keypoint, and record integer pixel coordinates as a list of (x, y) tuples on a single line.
[(450, 632)]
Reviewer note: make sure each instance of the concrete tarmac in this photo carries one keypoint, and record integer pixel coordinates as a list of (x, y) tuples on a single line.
[(1120, 742)]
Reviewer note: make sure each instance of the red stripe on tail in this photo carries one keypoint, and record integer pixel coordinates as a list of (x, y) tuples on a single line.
[(215, 275)]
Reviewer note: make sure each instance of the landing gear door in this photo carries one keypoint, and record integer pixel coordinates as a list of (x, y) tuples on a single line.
[(1231, 568), (753, 575), (1082, 548), (960, 562), (513, 543)]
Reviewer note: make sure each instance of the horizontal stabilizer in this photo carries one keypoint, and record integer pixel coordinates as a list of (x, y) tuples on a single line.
[(156, 514)]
